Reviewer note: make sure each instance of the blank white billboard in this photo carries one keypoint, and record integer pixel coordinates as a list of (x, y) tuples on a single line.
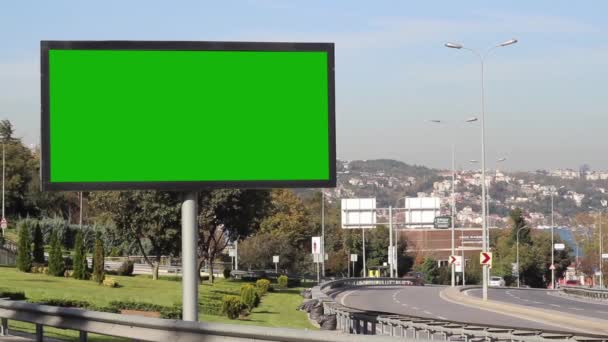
[(421, 211), (358, 213)]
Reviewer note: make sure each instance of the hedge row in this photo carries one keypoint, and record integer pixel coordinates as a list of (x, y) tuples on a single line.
[(168, 312)]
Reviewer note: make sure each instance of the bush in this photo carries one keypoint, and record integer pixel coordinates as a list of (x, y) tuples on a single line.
[(64, 303), (262, 285), (24, 251), (126, 269), (226, 273), (211, 308), (283, 281), (80, 258), (232, 306), (110, 282), (13, 295), (56, 264), (98, 260), (249, 296)]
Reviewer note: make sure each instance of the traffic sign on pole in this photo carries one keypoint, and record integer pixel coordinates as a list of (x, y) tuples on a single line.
[(316, 244), (3, 223), (552, 267), (353, 257), (485, 258), (559, 246), (453, 259), (456, 260)]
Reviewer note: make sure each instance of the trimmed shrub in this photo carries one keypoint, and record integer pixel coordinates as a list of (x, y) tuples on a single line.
[(98, 260), (211, 308), (38, 252), (64, 303), (263, 286), (109, 282), (168, 312), (226, 273), (283, 281), (80, 258), (232, 306), (126, 268), (13, 295), (249, 296), (24, 249), (56, 264)]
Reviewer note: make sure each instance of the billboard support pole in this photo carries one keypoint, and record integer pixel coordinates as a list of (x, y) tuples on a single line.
[(190, 273), (390, 242), (364, 264)]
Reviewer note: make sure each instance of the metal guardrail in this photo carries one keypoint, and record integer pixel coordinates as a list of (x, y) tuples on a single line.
[(155, 329), (361, 322), (586, 292)]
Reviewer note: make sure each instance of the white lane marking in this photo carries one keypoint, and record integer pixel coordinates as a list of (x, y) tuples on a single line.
[(428, 312), (441, 317), (415, 308), (557, 306), (602, 312), (397, 300), (404, 304), (536, 303), (577, 309)]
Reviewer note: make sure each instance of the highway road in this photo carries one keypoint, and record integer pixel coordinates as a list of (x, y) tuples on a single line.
[(543, 299), (425, 301)]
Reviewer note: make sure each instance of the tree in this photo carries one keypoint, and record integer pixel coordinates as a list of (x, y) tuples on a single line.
[(56, 264), (24, 254), (517, 221), (38, 244), (227, 215), (430, 269), (149, 218), (98, 260), (80, 258), (256, 251)]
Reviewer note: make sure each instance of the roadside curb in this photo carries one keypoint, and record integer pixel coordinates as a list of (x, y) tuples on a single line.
[(551, 317)]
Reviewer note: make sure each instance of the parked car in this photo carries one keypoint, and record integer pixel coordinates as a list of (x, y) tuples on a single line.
[(415, 278), (571, 283), (497, 281)]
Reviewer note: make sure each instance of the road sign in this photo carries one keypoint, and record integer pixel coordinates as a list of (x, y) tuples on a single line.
[(231, 252), (353, 257), (552, 267), (316, 258), (514, 269), (316, 244), (456, 260), (453, 259), (275, 259), (604, 255), (358, 213), (3, 223), (559, 246), (485, 258), (443, 222)]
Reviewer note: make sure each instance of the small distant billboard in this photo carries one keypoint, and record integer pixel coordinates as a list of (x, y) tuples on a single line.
[(443, 222), (358, 213), (421, 211)]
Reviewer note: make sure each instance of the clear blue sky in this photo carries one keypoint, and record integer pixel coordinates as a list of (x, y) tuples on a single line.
[(546, 96)]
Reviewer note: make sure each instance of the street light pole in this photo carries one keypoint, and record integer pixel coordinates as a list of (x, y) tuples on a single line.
[(453, 209), (323, 232), (552, 244), (517, 260), (483, 152), (3, 176)]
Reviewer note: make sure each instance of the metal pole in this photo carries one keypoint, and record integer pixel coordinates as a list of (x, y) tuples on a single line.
[(601, 261), (390, 240), (318, 273), (323, 231), (364, 264), (483, 187), (552, 246), (190, 273), (236, 254), (453, 205), (276, 268), (464, 261), (517, 260)]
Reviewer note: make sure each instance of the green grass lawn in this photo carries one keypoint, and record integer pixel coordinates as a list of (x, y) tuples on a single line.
[(277, 309)]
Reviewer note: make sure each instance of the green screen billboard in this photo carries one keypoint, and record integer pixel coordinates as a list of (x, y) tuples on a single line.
[(186, 115)]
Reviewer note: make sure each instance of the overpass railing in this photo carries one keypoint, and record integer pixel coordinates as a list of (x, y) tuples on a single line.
[(153, 329), (361, 322), (585, 292)]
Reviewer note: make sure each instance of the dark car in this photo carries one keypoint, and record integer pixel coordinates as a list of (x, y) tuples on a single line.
[(414, 278)]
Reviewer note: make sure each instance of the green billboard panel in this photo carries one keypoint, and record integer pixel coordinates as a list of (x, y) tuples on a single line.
[(186, 115)]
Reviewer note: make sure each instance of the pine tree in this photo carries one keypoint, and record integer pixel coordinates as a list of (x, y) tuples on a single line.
[(98, 260), (56, 264), (80, 258), (24, 252), (38, 245)]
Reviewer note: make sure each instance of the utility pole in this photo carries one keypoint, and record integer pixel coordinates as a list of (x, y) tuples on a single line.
[(323, 232), (552, 244), (390, 241), (364, 264), (453, 209)]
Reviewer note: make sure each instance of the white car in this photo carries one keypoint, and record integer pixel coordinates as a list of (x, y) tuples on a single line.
[(497, 282)]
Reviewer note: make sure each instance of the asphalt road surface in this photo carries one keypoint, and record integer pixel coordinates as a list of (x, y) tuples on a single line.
[(424, 301), (545, 300)]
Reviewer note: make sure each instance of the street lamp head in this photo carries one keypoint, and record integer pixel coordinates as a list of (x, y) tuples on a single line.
[(472, 119), (473, 161), (501, 159), (453, 45), (508, 42), (436, 121)]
